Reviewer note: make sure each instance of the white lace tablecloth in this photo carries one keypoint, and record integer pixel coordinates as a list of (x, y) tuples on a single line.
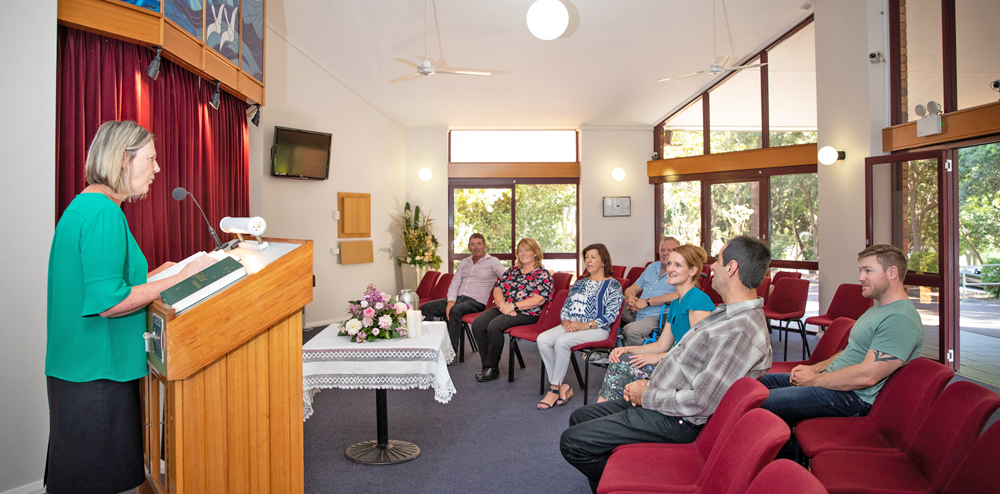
[(333, 361)]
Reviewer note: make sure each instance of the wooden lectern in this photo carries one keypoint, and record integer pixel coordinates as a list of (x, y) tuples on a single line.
[(223, 399)]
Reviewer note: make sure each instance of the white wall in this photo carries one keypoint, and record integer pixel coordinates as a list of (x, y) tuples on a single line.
[(629, 239), (427, 147), (27, 137), (851, 104), (367, 155)]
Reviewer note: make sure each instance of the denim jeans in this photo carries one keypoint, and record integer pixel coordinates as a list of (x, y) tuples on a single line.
[(797, 403)]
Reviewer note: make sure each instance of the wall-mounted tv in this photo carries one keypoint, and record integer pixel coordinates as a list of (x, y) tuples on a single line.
[(300, 154)]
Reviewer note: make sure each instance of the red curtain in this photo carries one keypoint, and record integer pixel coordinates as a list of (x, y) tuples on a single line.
[(198, 147)]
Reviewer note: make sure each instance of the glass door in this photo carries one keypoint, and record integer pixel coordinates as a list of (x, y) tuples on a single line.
[(905, 208)]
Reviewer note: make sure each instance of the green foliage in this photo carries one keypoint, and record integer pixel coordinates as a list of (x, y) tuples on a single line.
[(419, 244), (991, 274), (794, 217), (779, 139), (545, 212), (922, 212), (978, 200), (923, 262), (684, 143), (682, 211)]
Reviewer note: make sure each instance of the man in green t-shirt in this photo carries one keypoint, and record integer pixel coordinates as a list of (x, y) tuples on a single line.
[(884, 338)]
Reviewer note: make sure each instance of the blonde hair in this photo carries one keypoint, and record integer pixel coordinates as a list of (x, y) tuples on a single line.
[(116, 142), (530, 244), (693, 255)]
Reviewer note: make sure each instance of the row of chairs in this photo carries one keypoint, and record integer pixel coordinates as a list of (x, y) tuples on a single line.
[(916, 438), (732, 454)]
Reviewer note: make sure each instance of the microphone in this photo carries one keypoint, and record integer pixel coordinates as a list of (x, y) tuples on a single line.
[(179, 194)]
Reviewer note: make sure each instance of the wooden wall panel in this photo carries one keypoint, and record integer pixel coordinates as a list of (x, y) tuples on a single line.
[(295, 425), (357, 252), (221, 68), (117, 20), (803, 154), (279, 417), (215, 432), (238, 419), (956, 126), (194, 433), (514, 170), (257, 390)]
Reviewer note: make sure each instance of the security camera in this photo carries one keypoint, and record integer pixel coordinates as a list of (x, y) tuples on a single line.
[(995, 85), (875, 57), (656, 155)]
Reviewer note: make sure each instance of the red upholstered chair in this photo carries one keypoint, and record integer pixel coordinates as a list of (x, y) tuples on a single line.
[(786, 274), (847, 302), (634, 274), (467, 328), (739, 457), (426, 285), (706, 286), (893, 420), (978, 472), (440, 288), (561, 281), (927, 463), (603, 347), (548, 319), (684, 462), (833, 341), (785, 477), (787, 304), (617, 271)]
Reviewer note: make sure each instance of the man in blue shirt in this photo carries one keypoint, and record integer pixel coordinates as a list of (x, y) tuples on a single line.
[(647, 296)]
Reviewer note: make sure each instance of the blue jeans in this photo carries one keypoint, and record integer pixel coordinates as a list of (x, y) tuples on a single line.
[(797, 403)]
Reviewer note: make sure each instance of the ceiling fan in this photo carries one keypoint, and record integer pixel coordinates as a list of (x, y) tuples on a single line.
[(426, 68), (718, 64)]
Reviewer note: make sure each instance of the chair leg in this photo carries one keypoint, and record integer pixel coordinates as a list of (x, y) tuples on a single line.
[(805, 342), (461, 343), (512, 349), (586, 377), (579, 376), (780, 330), (541, 382), (520, 360)]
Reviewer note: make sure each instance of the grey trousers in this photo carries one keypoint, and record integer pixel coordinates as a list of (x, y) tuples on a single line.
[(638, 331), (554, 347), (597, 429)]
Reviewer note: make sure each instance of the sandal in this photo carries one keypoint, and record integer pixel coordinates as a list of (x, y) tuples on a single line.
[(569, 394), (545, 406)]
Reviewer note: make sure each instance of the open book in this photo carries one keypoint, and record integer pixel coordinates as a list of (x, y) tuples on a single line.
[(202, 284)]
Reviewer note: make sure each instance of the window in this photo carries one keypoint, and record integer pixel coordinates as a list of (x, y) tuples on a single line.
[(682, 211), (735, 108), (486, 197), (976, 40), (684, 134), (794, 217), (791, 75)]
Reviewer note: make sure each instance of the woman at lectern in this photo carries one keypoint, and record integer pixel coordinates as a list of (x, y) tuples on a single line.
[(95, 353)]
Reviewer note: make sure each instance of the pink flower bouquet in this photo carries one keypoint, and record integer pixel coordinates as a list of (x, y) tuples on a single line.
[(376, 315)]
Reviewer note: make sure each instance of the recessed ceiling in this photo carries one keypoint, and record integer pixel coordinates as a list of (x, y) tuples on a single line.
[(603, 73)]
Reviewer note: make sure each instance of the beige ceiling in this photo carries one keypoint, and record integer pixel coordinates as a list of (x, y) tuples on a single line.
[(604, 73)]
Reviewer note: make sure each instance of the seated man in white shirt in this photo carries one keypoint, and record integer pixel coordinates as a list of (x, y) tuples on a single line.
[(469, 289)]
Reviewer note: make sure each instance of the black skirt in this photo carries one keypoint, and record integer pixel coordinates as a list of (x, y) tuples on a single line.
[(95, 437)]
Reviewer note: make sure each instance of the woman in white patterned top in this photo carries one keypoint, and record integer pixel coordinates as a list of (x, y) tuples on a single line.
[(591, 308)]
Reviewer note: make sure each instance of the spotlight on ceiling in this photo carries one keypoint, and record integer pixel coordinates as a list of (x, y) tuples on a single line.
[(214, 100), (256, 116), (153, 70), (548, 19)]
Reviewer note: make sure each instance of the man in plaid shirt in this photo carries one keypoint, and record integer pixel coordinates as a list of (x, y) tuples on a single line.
[(688, 384)]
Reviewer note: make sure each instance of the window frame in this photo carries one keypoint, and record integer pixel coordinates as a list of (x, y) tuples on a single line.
[(511, 183)]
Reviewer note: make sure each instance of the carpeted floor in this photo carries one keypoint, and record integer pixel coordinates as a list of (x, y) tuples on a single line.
[(488, 439)]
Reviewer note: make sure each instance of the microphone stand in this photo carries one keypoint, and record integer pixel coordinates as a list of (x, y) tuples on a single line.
[(215, 238)]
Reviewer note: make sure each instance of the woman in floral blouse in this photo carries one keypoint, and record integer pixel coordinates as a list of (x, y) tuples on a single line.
[(591, 308), (519, 295)]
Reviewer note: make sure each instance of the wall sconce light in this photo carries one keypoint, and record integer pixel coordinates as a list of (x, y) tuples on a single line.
[(548, 19), (829, 155), (425, 174), (214, 100), (618, 174)]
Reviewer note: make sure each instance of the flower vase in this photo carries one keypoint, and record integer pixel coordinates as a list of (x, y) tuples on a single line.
[(412, 276)]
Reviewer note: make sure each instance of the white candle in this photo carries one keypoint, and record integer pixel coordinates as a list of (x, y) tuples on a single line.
[(414, 323)]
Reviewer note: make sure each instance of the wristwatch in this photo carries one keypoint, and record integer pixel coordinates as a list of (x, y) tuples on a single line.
[(647, 303), (590, 324)]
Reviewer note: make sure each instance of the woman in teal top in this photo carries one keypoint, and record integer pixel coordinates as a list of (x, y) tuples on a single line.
[(632, 363), (95, 353)]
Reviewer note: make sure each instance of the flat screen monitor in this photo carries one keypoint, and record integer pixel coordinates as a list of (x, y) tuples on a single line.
[(300, 154)]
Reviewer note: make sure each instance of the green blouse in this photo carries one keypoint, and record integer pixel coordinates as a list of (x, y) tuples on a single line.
[(93, 265)]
